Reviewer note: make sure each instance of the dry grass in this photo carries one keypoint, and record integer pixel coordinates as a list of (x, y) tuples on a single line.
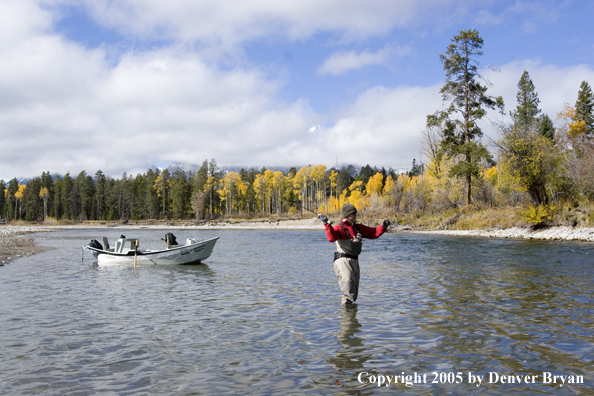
[(492, 218), (466, 218)]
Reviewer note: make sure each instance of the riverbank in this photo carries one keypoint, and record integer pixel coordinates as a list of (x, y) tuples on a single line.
[(12, 247), (549, 233)]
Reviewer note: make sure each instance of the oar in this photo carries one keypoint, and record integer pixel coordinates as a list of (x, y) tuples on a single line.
[(135, 252)]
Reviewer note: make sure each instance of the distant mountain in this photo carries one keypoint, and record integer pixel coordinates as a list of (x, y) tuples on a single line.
[(182, 166), (21, 180)]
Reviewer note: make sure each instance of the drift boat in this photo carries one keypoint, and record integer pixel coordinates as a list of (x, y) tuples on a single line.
[(127, 251)]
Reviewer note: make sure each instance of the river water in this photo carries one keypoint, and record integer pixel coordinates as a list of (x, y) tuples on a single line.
[(262, 316)]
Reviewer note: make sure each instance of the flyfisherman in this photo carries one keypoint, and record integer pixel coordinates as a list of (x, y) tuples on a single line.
[(349, 239)]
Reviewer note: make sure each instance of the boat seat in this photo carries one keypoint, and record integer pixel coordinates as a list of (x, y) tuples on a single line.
[(123, 246)]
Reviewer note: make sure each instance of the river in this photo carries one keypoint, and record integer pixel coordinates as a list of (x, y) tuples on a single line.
[(262, 316)]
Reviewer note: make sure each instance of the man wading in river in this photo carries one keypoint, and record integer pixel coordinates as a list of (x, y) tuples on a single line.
[(349, 240)]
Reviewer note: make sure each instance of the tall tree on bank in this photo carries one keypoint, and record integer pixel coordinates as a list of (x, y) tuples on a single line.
[(44, 194), (468, 104), (526, 113), (584, 109)]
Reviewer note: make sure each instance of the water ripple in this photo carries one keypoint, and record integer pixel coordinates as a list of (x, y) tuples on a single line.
[(263, 316)]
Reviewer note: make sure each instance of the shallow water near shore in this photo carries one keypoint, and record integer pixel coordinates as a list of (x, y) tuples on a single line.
[(262, 315)]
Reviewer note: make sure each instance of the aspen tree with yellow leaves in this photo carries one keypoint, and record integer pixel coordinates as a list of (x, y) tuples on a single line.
[(318, 177), (300, 184), (209, 188), (374, 185), (161, 185), (232, 191), (19, 197), (279, 181), (261, 189), (44, 194)]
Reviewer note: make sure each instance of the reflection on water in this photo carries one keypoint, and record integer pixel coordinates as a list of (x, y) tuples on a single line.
[(263, 316), (353, 356)]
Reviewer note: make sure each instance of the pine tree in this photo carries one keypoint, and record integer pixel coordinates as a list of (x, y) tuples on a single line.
[(416, 169), (13, 187), (469, 100), (546, 127), (100, 195), (526, 113), (584, 108)]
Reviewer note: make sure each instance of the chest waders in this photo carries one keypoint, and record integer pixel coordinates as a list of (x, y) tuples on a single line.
[(346, 265)]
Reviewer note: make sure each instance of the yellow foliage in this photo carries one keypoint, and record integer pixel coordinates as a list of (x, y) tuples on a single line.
[(567, 114), (21, 191), (374, 185), (356, 186), (577, 128), (538, 214), (44, 192), (414, 183), (210, 183), (333, 204), (278, 180), (573, 127), (354, 198), (490, 175), (333, 176), (161, 184), (317, 173), (359, 200), (300, 180), (232, 190), (403, 181), (343, 198), (389, 186)]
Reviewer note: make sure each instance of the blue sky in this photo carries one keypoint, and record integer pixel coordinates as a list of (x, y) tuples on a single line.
[(123, 85)]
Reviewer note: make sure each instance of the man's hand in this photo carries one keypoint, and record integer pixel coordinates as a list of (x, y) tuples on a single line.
[(386, 223), (323, 218)]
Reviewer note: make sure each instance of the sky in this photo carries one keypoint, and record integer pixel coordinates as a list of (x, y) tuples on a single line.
[(124, 85)]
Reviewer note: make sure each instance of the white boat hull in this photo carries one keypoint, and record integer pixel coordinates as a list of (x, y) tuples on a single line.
[(178, 255)]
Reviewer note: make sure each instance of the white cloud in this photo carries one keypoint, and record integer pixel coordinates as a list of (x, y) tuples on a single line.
[(233, 21), (342, 62), (382, 128), (555, 85), (65, 108), (534, 14)]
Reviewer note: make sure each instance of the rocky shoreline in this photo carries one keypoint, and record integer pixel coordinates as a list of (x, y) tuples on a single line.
[(551, 233), (12, 248)]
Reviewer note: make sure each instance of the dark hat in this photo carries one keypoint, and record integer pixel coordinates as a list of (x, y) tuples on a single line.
[(347, 209)]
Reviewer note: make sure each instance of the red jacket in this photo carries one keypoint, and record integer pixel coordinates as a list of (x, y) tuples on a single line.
[(336, 232)]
